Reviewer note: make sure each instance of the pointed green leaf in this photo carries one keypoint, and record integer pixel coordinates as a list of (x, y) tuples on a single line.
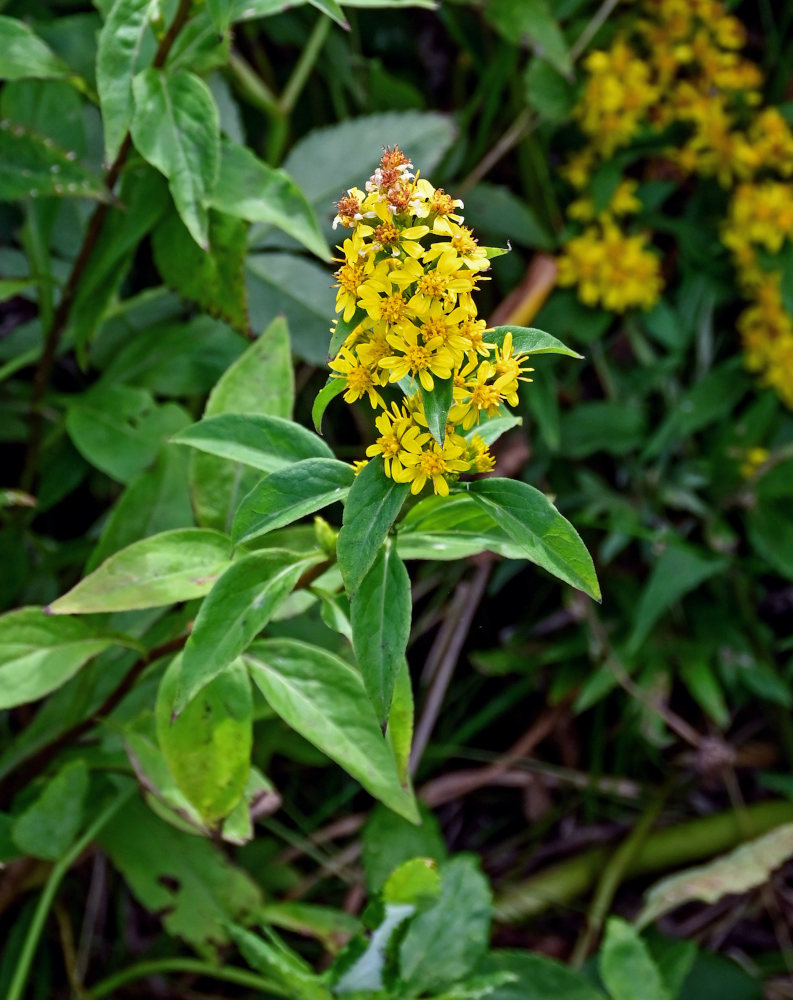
[(380, 613), (370, 510), (452, 527), (680, 569), (253, 190), (214, 279), (208, 746), (177, 130), (323, 698), (543, 535), (233, 613), (32, 166), (289, 494), (437, 404), (49, 825), (220, 11), (39, 653), (538, 977), (626, 966), (528, 340), (332, 9), (330, 390), (24, 54), (283, 964), (172, 566), (123, 40), (400, 721), (446, 942), (264, 443), (120, 429)]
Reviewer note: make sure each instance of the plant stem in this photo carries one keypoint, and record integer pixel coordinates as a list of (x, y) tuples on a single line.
[(163, 966), (43, 373), (59, 870), (668, 847)]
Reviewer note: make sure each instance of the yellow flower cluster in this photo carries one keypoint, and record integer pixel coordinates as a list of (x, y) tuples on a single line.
[(408, 273), (611, 268), (759, 225), (678, 64)]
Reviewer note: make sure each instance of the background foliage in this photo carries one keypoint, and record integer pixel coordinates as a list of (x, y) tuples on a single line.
[(168, 174)]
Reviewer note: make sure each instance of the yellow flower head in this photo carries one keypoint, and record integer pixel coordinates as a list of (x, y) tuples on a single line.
[(408, 274)]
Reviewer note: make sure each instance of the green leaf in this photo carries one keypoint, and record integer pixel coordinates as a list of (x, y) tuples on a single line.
[(452, 527), (220, 12), (537, 978), (289, 494), (445, 942), (389, 840), (531, 21), (414, 882), (674, 959), (370, 510), (491, 430), (323, 698), (259, 382), (251, 189), (710, 398), (176, 128), (380, 613), (11, 287), (120, 429), (50, 824), (278, 961), (626, 966), (771, 534), (342, 329), (208, 746), (175, 357), (265, 443), (399, 732), (156, 500), (325, 923), (680, 569), (123, 44), (25, 55), (548, 91), (213, 279), (39, 653), (332, 9), (528, 340), (32, 166), (300, 290), (171, 566), (542, 534), (616, 428), (437, 404), (233, 613), (330, 390), (185, 878)]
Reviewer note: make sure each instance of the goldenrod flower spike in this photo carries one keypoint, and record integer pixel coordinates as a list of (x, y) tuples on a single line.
[(409, 271)]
